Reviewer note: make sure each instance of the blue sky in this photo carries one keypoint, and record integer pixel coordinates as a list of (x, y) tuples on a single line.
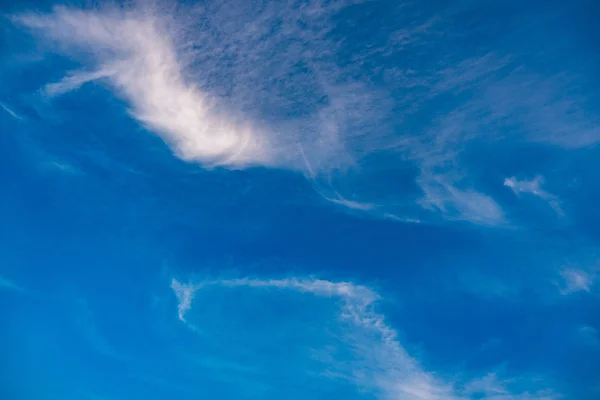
[(304, 199)]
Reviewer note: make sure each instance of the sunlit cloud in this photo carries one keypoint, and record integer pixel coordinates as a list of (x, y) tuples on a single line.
[(136, 53), (176, 79), (169, 83), (254, 96)]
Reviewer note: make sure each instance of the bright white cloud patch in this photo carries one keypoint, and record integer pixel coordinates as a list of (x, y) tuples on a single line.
[(212, 91), (216, 93), (378, 363), (136, 53)]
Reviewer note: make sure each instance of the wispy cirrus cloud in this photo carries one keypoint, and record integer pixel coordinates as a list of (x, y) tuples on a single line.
[(86, 325), (588, 335), (534, 187), (9, 111), (355, 205), (175, 77), (379, 362), (441, 193), (575, 280), (203, 87), (8, 284), (185, 295), (493, 387), (223, 87), (497, 94), (75, 81), (136, 53)]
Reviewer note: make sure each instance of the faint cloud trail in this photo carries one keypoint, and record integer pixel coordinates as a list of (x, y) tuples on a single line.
[(8, 284), (381, 363), (10, 112), (534, 187)]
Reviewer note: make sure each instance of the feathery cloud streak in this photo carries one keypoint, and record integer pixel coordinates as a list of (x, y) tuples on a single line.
[(271, 84), (380, 362), (10, 111), (576, 280), (534, 187), (138, 56), (9, 285)]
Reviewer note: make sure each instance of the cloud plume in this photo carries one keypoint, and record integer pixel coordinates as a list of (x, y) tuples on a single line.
[(137, 55)]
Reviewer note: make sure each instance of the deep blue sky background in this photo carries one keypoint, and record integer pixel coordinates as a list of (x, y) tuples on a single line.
[(441, 155)]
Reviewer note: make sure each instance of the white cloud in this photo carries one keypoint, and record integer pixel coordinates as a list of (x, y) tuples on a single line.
[(10, 111), (533, 187), (551, 108), (380, 364), (137, 55), (211, 90), (355, 205), (498, 95), (185, 294), (575, 280), (440, 192), (548, 107), (492, 387), (445, 182), (208, 89), (525, 186), (222, 86), (75, 81), (338, 199)]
